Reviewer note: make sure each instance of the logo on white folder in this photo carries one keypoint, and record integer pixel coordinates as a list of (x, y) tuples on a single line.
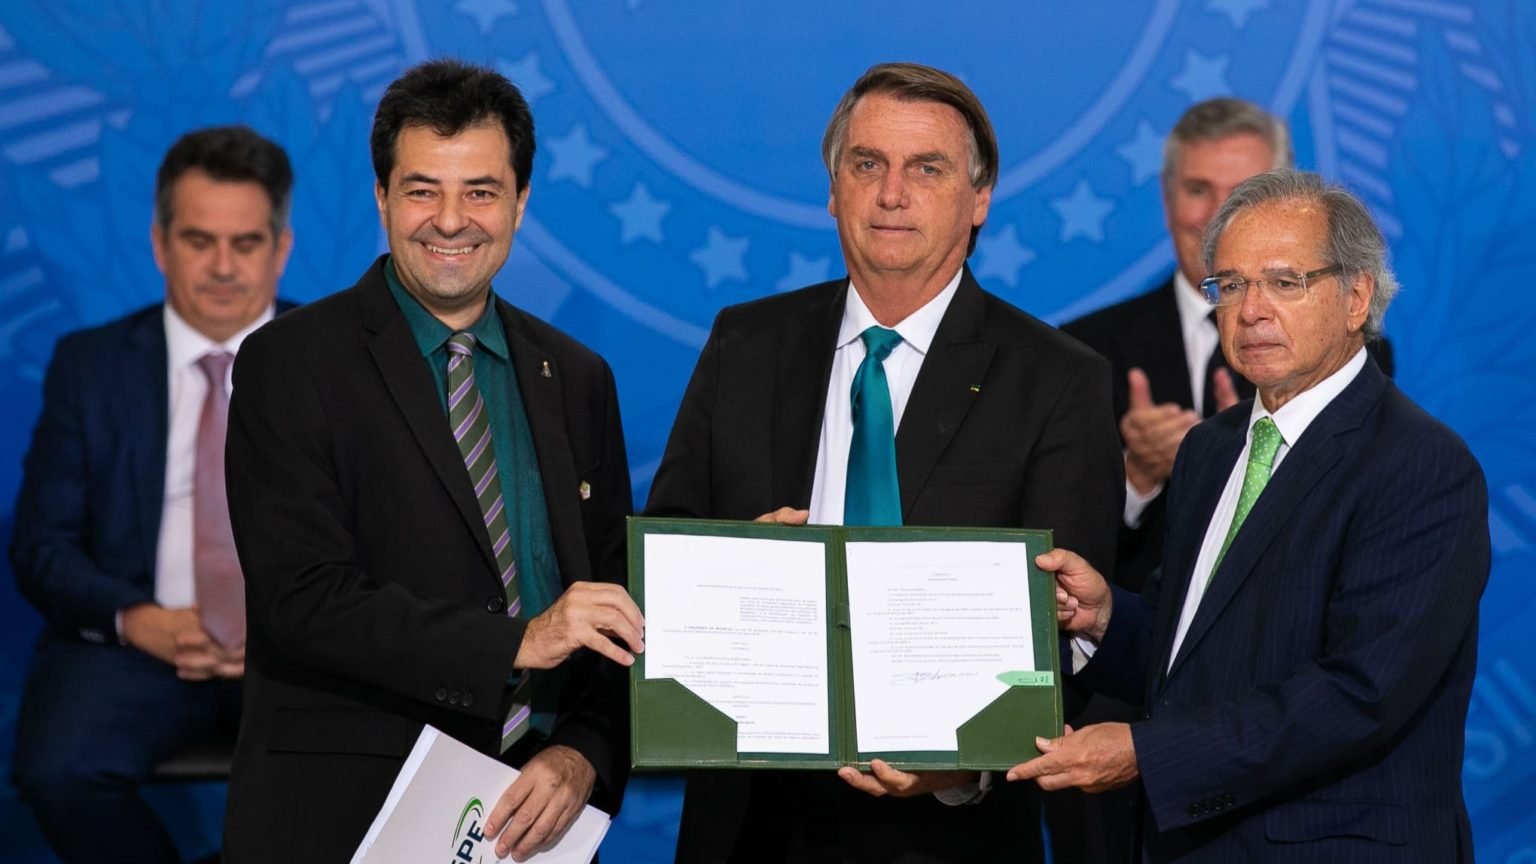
[(470, 832)]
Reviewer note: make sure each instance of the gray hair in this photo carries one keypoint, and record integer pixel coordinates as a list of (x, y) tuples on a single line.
[(1354, 241), (1225, 117)]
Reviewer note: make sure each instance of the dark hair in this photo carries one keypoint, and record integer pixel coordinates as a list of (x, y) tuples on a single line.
[(228, 154), (448, 96), (914, 82)]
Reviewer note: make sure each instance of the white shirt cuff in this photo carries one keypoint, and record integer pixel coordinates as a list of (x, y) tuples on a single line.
[(1083, 650), (1136, 503)]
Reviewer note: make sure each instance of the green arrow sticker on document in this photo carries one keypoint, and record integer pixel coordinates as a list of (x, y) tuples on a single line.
[(1029, 678)]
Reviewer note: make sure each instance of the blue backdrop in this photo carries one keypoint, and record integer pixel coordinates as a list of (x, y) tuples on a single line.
[(678, 171)]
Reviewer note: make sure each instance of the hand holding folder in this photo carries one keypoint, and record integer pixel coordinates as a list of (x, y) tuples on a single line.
[(820, 647)]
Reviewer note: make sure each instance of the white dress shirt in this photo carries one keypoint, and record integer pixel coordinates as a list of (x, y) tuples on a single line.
[(901, 369), (1200, 341), (1292, 420), (184, 346)]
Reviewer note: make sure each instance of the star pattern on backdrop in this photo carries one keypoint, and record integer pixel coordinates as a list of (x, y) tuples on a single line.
[(720, 257), (1001, 255), (1082, 213), (575, 156), (1202, 76), (803, 271), (528, 77), (640, 216), (1144, 153), (486, 12), (1236, 10)]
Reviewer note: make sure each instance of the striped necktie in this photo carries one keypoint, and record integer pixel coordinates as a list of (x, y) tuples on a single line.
[(472, 431)]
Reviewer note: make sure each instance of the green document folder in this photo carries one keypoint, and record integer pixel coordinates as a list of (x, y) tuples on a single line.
[(673, 727)]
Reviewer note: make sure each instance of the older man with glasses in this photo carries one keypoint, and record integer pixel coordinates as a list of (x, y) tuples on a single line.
[(1305, 654)]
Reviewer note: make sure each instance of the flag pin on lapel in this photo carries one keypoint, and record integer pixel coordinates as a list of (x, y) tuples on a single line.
[(975, 388), (585, 490), (545, 370)]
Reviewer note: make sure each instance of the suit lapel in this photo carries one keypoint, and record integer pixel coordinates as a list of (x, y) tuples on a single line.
[(410, 384), (946, 387), (806, 349), (1309, 460), (1209, 469), (143, 393), (540, 384), (1167, 364)]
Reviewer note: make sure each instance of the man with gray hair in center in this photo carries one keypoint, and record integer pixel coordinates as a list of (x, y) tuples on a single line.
[(1168, 373), (1306, 651)]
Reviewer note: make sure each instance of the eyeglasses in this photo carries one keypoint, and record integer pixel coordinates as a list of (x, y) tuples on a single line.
[(1282, 288)]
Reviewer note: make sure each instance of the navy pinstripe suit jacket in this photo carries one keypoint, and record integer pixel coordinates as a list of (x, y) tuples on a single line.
[(1315, 711)]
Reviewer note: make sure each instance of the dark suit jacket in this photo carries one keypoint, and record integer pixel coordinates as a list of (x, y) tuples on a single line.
[(373, 599), (1316, 709), (1144, 333), (88, 515), (1008, 424)]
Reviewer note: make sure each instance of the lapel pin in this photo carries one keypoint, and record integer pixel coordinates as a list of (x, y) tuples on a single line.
[(545, 370), (585, 490), (975, 388)]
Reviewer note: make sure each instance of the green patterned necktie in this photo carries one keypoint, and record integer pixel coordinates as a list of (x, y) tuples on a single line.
[(472, 431), (1261, 462)]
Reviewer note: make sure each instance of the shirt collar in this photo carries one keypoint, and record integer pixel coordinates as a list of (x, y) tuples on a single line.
[(1194, 310), (184, 345), (917, 329), (430, 333), (1295, 416)]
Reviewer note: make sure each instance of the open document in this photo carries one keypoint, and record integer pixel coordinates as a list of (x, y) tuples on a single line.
[(436, 811), (933, 624), (814, 646)]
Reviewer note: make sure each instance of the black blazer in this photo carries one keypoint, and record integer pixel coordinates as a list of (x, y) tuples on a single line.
[(372, 593), (1008, 425), (1316, 709), (1144, 333)]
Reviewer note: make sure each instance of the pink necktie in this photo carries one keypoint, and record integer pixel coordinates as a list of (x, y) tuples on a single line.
[(215, 567)]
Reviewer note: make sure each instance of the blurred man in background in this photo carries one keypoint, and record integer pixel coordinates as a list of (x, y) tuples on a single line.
[(122, 537)]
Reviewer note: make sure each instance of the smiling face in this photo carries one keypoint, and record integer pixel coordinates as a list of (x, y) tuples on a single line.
[(902, 194), (1206, 173), (1287, 348), (450, 211), (219, 256)]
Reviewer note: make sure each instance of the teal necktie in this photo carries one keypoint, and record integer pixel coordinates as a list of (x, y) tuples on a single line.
[(1261, 463), (872, 495)]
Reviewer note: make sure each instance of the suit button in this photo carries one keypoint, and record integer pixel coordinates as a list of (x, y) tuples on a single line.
[(453, 698), (495, 604), (1194, 812), (441, 694), (468, 700)]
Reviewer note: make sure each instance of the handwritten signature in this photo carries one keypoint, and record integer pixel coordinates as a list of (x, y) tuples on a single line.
[(911, 678)]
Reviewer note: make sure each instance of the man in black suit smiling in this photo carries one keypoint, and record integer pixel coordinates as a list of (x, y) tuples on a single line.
[(428, 489)]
